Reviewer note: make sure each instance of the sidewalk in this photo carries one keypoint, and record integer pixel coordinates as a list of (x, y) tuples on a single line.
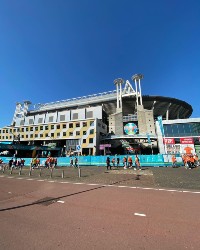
[(179, 178)]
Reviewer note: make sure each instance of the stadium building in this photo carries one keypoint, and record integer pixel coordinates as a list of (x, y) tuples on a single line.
[(122, 121)]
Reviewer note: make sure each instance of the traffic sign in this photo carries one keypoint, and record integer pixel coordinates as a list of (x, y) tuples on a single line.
[(78, 147)]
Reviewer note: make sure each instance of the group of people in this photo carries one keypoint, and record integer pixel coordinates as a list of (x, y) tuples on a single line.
[(189, 161), (127, 162), (74, 162), (16, 163), (51, 162)]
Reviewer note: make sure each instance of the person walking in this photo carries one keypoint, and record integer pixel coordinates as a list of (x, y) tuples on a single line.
[(71, 162), (174, 161), (118, 162), (130, 162), (137, 163), (108, 163), (125, 162), (75, 162)]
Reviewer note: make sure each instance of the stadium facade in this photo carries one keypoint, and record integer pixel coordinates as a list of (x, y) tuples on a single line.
[(122, 121)]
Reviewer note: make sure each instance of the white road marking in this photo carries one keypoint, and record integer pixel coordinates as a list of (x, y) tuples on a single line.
[(19, 178), (137, 214), (60, 201), (115, 186), (9, 193)]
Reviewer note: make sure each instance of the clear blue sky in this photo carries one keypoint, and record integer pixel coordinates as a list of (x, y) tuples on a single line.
[(55, 50)]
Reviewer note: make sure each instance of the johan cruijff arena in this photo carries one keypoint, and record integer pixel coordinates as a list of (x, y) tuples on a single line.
[(122, 121)]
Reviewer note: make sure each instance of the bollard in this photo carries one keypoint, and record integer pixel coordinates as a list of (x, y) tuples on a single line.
[(79, 172), (30, 172), (11, 170), (51, 174), (40, 173), (3, 169), (62, 173), (20, 171)]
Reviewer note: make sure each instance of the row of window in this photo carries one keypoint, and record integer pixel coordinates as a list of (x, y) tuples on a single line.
[(91, 132), (182, 129), (31, 136), (46, 127), (63, 117)]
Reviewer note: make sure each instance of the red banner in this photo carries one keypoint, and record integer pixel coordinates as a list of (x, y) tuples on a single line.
[(169, 141), (186, 140)]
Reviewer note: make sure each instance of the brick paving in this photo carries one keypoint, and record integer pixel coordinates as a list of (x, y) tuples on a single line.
[(179, 178)]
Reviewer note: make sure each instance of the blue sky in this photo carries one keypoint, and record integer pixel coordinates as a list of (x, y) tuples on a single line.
[(55, 50)]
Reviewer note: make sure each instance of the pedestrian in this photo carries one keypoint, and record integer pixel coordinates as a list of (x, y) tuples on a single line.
[(71, 162), (174, 161), (125, 162), (137, 163), (130, 162), (75, 162), (113, 162), (118, 162), (108, 163)]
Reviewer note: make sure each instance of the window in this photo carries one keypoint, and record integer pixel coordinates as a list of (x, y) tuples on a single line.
[(36, 128), (84, 132), (58, 126), (46, 127), (52, 126), (40, 120), (84, 140), (52, 135), (6, 130), (31, 128), (31, 135), (77, 132), (62, 118), (91, 131), (89, 114), (41, 135), (84, 124), (21, 123), (41, 127), (30, 121), (64, 126), (90, 140), (36, 135), (64, 133), (26, 136), (71, 125), (46, 135), (91, 123), (22, 129), (70, 133), (58, 134), (75, 116), (22, 136), (77, 125), (50, 118)]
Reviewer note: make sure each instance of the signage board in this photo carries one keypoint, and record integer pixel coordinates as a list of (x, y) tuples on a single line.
[(168, 140), (188, 140)]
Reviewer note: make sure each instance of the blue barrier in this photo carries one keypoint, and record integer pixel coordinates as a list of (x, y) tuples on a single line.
[(145, 160)]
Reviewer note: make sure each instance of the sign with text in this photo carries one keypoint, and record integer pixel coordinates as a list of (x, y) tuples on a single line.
[(102, 146), (169, 141), (188, 140)]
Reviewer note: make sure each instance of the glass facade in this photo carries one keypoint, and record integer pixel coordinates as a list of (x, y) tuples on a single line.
[(182, 129)]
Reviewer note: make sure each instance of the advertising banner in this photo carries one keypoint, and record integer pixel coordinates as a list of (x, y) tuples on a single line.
[(188, 140), (187, 149), (168, 140), (159, 118)]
